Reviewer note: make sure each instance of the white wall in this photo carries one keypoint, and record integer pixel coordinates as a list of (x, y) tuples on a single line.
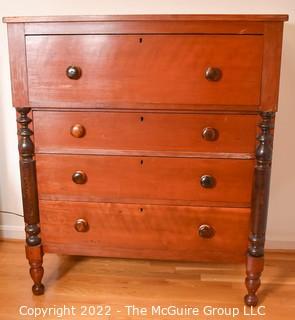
[(281, 225)]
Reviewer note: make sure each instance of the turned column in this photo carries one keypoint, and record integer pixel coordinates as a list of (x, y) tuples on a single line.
[(34, 251), (255, 256)]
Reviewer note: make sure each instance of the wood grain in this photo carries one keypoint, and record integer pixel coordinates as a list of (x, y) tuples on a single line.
[(131, 184), (154, 17), (76, 281), (116, 178), (151, 153), (145, 27), (178, 133), (160, 69), (259, 207), (273, 36), (27, 164), (145, 231), (18, 67)]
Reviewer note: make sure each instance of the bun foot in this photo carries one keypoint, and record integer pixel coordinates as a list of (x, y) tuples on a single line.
[(38, 289), (251, 300)]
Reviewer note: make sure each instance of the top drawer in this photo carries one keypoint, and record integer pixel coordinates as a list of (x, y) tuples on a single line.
[(126, 70)]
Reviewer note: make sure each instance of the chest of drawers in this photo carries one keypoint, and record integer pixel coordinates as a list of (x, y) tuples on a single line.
[(137, 135)]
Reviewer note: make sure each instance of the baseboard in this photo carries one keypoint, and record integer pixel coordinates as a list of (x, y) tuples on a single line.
[(12, 232), (279, 245)]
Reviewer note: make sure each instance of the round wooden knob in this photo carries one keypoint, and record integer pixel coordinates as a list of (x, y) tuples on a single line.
[(206, 231), (74, 72), (207, 181), (79, 177), (213, 74), (81, 225), (209, 134), (78, 131)]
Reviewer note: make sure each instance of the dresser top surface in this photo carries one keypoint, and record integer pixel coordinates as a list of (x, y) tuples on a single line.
[(149, 17)]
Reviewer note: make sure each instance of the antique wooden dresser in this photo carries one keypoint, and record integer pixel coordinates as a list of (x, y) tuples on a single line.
[(146, 136)]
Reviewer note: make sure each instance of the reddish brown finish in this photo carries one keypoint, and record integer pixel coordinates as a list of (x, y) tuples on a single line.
[(115, 178), (18, 67), (77, 130), (273, 35), (35, 257), (206, 231), (27, 168), (162, 69), (259, 208), (144, 231), (146, 27), (151, 17), (150, 153), (79, 177), (27, 164), (254, 269), (142, 131), (165, 113), (81, 225), (210, 134), (261, 186)]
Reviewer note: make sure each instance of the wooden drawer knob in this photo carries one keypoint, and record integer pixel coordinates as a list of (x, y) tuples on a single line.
[(206, 231), (210, 134), (213, 74), (74, 72), (79, 177), (81, 225), (207, 181), (78, 131)]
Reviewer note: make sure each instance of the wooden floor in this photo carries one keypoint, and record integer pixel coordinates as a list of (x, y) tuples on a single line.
[(84, 281)]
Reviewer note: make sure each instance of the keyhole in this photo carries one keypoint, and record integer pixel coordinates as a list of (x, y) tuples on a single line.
[(141, 209), (141, 119), (141, 162), (140, 40)]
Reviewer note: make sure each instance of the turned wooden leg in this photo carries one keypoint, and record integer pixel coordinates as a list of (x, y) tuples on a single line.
[(254, 269), (27, 163), (255, 257), (35, 257)]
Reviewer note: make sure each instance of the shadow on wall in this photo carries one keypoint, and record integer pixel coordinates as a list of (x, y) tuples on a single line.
[(284, 144), (10, 199), (281, 218), (3, 160)]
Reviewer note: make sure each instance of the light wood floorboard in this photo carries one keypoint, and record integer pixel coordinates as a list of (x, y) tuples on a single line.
[(77, 281)]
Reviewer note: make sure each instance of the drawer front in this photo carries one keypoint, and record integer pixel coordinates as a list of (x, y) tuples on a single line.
[(145, 231), (116, 179), (62, 132), (149, 69)]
